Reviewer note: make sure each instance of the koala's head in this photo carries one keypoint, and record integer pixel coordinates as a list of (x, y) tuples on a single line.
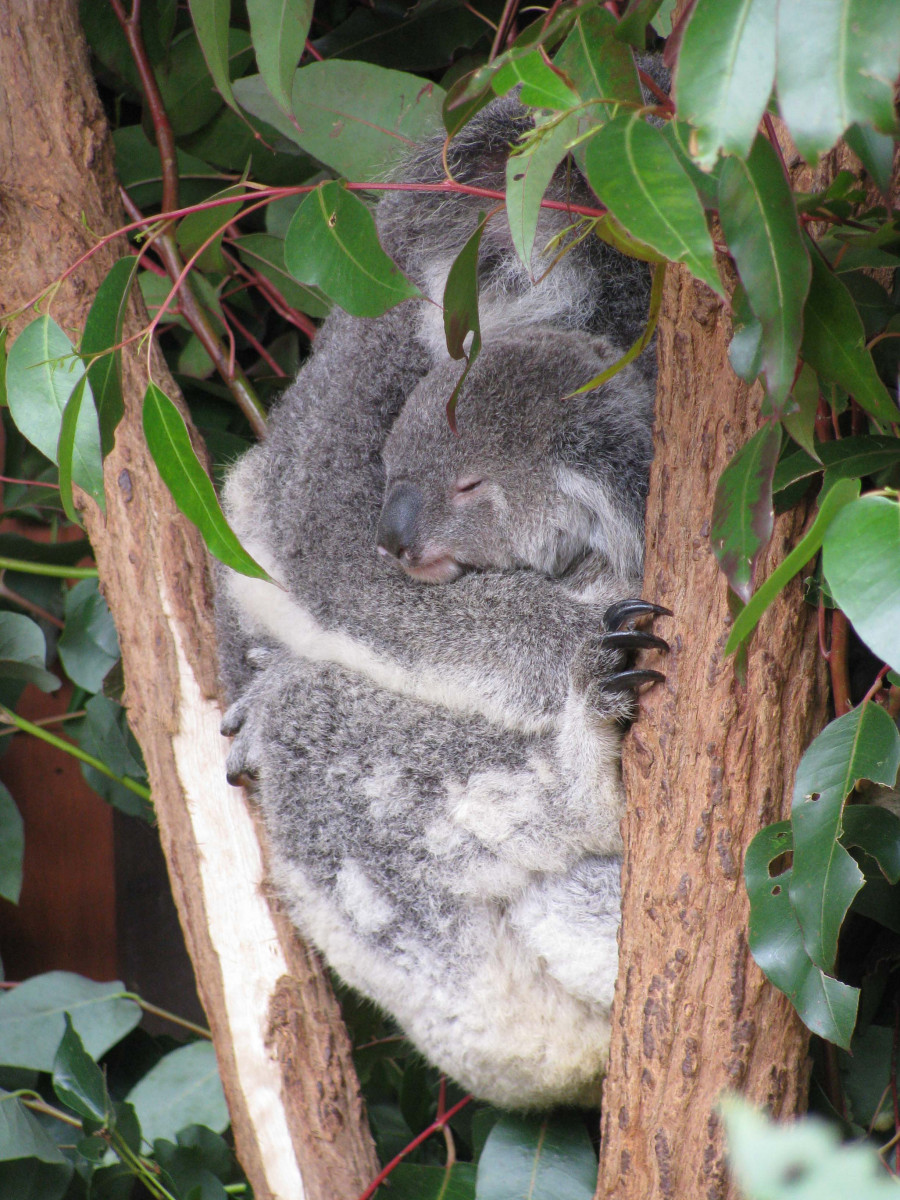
[(529, 479)]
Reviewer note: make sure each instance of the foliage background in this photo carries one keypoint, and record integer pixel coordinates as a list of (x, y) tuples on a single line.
[(213, 121)]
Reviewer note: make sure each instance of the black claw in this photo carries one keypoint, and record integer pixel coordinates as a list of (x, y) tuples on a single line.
[(635, 638), (619, 612), (627, 680)]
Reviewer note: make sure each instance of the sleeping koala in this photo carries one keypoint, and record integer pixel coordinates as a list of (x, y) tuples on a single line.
[(463, 874), (438, 766)]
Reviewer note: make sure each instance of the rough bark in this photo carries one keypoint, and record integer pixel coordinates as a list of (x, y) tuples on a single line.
[(283, 1052), (710, 761)]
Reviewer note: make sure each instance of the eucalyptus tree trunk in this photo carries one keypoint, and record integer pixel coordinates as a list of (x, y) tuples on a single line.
[(282, 1049), (711, 760)]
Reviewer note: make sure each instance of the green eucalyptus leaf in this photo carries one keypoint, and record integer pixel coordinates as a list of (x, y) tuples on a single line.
[(801, 425), (23, 652), (800, 1160), (548, 1158), (41, 374), (103, 329), (12, 847), (528, 173), (837, 69), (636, 174), (825, 1005), (332, 244), (866, 1076), (278, 33), (77, 1080), (876, 153), (32, 1167), (104, 733), (411, 1181), (793, 467), (461, 299), (65, 449), (189, 92), (745, 348), (184, 476), (182, 1089), (541, 85), (706, 183), (354, 117), (863, 744), (4, 336), (207, 225), (211, 19), (599, 65), (876, 831), (759, 220), (88, 646), (856, 457), (264, 253), (844, 491), (742, 512), (726, 68), (861, 560), (32, 1025), (633, 25)]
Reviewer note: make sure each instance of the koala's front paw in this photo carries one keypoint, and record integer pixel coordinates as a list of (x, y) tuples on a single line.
[(601, 671)]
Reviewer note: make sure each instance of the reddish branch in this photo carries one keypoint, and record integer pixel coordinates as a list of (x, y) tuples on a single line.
[(437, 1125)]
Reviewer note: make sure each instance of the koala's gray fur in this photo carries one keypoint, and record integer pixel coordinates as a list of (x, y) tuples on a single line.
[(438, 765)]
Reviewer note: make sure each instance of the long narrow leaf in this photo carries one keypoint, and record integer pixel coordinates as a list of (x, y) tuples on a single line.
[(742, 513), (278, 32), (191, 489), (103, 329), (211, 19), (746, 621)]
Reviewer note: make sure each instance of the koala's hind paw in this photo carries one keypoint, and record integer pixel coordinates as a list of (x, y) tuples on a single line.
[(241, 766)]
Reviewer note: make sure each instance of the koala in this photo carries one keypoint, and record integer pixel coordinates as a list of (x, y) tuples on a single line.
[(332, 599), (432, 726)]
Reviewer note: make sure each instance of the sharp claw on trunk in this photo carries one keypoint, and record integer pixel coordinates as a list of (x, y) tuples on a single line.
[(619, 612), (636, 639), (626, 680)]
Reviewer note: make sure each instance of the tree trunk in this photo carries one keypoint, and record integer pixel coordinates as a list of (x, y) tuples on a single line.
[(709, 762), (283, 1052)]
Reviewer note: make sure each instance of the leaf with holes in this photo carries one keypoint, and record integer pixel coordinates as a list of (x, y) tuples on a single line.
[(876, 831), (636, 174), (861, 560), (191, 488), (547, 1158), (332, 244), (863, 744), (824, 1004), (726, 68), (760, 222), (837, 69), (742, 512)]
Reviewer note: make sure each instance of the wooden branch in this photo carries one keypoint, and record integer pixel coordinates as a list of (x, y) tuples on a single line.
[(709, 762), (283, 1052)]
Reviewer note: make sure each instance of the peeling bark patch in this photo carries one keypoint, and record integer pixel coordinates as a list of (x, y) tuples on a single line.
[(691, 1058), (738, 977), (656, 1016), (663, 1164), (726, 858), (124, 482)]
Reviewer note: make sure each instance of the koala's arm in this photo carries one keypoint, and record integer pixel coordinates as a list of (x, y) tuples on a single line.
[(413, 792)]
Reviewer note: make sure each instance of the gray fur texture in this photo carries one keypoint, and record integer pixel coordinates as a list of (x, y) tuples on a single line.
[(438, 765)]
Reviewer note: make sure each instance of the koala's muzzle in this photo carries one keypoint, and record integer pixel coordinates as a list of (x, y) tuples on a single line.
[(398, 524)]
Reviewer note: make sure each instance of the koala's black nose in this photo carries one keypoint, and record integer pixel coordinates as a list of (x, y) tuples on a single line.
[(399, 519)]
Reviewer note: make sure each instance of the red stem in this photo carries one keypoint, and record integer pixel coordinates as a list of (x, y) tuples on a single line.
[(254, 342), (435, 1127)]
